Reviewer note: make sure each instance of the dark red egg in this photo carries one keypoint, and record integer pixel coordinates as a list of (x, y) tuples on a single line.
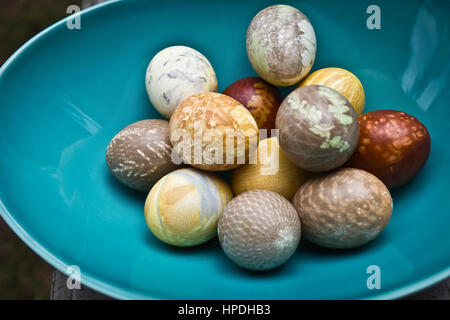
[(393, 146), (260, 97)]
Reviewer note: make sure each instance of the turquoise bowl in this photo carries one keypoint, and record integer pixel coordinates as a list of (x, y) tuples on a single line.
[(66, 93)]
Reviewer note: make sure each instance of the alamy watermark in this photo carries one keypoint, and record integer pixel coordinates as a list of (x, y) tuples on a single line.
[(75, 22), (374, 20), (74, 277), (374, 280)]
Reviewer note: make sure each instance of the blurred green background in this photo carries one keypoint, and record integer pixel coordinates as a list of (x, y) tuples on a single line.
[(23, 274)]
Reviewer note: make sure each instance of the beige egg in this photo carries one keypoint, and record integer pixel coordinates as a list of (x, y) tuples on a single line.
[(272, 171), (343, 209), (259, 230), (212, 131), (342, 81), (183, 208)]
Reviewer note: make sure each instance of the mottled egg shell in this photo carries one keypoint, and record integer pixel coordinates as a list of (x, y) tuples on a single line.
[(199, 127), (393, 146), (344, 209), (176, 73), (342, 81), (272, 171), (259, 230), (183, 208), (318, 128), (140, 154), (260, 97), (281, 45)]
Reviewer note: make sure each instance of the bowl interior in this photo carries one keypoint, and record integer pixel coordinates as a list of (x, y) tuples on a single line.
[(68, 92)]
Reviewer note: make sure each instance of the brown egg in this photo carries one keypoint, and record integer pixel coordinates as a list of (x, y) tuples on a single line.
[(341, 80), (259, 230), (260, 97), (140, 154), (393, 146), (343, 209), (202, 124), (318, 128), (272, 171)]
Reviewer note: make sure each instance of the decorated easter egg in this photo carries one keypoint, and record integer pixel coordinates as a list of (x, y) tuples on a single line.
[(343, 209), (140, 154), (260, 97), (212, 131), (342, 81), (393, 146), (281, 45), (272, 171), (176, 73), (182, 209), (259, 230), (318, 128)]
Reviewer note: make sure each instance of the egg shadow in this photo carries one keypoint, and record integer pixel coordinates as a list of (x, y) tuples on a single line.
[(206, 248), (230, 269), (120, 190), (411, 187), (306, 247), (424, 179), (285, 91), (225, 175)]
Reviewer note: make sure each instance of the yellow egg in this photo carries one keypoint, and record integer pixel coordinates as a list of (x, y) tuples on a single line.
[(342, 81), (183, 207), (273, 171)]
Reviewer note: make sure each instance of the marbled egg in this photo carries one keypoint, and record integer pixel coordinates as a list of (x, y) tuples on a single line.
[(343, 209), (140, 154), (260, 97), (342, 81), (318, 128), (176, 73), (281, 45), (183, 208), (259, 230), (393, 146), (199, 128), (272, 171)]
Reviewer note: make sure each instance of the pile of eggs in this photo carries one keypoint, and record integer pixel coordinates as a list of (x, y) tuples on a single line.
[(323, 171)]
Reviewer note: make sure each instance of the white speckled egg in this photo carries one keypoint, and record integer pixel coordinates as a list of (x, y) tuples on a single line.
[(176, 73), (259, 230)]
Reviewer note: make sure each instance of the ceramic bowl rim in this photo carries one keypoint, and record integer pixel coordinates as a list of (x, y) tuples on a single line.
[(116, 292)]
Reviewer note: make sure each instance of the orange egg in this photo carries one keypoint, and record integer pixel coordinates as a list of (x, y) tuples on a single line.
[(212, 131), (342, 81)]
